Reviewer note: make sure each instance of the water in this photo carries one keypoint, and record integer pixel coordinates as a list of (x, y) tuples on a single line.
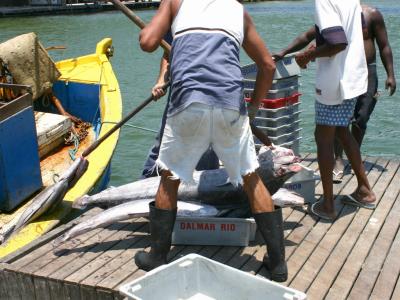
[(277, 22)]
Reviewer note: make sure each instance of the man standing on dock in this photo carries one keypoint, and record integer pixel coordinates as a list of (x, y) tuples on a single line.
[(207, 108), (341, 78), (209, 160), (374, 29)]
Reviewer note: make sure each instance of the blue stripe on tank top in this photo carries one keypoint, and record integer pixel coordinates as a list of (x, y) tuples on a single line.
[(205, 68)]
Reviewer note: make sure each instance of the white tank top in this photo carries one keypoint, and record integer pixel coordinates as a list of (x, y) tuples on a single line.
[(205, 66)]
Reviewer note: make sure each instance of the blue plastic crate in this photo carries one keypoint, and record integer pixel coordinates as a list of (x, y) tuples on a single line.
[(20, 174)]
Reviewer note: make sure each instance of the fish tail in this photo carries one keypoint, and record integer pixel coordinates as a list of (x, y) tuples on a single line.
[(81, 202)]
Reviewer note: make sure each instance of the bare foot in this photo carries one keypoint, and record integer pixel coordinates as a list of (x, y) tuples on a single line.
[(364, 195)]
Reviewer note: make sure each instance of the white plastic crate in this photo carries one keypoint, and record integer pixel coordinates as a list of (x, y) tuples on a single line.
[(281, 130), (214, 231), (303, 183), (275, 94), (277, 84), (278, 112), (294, 145), (286, 138), (278, 122), (194, 277), (286, 67)]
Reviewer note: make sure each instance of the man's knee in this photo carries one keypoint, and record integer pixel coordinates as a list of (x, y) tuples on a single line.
[(361, 122)]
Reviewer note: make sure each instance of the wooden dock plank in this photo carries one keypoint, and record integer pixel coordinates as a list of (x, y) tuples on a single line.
[(297, 255), (42, 290), (389, 275), (72, 291), (324, 279), (109, 245), (3, 283), (41, 246), (326, 260), (103, 266), (396, 292), (240, 258), (118, 274), (104, 295), (26, 286), (56, 290), (63, 259), (11, 282), (334, 231), (355, 260), (372, 265), (127, 266)]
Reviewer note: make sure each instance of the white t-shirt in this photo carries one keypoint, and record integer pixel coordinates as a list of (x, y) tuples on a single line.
[(344, 75)]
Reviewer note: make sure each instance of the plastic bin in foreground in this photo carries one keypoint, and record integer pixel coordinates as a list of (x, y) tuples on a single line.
[(194, 277)]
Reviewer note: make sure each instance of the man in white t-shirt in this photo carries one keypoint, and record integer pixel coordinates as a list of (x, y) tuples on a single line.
[(341, 77)]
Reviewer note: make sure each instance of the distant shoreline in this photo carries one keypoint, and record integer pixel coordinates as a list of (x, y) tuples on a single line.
[(79, 8)]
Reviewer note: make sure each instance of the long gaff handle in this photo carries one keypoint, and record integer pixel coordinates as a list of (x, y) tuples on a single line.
[(135, 19), (93, 146), (131, 15)]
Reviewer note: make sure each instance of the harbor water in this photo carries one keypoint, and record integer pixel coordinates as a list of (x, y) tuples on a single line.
[(278, 23)]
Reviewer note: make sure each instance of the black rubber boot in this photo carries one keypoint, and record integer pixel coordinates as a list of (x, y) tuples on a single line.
[(161, 225), (270, 226)]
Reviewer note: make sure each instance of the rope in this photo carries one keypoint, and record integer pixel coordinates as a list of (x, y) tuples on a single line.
[(72, 152), (133, 126)]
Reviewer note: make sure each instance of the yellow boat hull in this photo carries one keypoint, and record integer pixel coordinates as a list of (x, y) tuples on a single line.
[(90, 69)]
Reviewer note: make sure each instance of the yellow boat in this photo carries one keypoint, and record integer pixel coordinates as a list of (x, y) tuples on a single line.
[(87, 89)]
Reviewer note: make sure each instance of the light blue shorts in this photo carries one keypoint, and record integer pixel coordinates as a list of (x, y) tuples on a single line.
[(335, 115), (192, 131)]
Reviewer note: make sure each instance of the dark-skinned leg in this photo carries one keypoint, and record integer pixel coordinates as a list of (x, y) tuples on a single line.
[(259, 197), (363, 192), (162, 219), (270, 224), (358, 134), (167, 193), (324, 137)]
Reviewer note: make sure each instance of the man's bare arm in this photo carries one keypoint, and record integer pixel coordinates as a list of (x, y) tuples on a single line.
[(298, 43), (258, 52), (151, 36), (157, 90), (385, 51)]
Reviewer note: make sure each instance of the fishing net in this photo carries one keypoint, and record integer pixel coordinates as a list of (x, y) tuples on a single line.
[(29, 63)]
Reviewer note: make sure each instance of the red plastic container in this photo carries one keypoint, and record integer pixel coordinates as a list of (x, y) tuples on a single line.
[(278, 103)]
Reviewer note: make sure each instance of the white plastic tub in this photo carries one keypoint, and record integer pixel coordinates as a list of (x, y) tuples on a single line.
[(303, 183), (196, 277), (214, 231)]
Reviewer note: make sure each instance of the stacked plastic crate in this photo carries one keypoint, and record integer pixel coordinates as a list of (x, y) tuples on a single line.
[(279, 114)]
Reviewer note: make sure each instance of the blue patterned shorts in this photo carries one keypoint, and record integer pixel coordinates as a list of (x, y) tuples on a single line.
[(335, 115)]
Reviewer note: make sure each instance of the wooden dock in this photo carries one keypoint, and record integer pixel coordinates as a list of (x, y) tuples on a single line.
[(356, 257)]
